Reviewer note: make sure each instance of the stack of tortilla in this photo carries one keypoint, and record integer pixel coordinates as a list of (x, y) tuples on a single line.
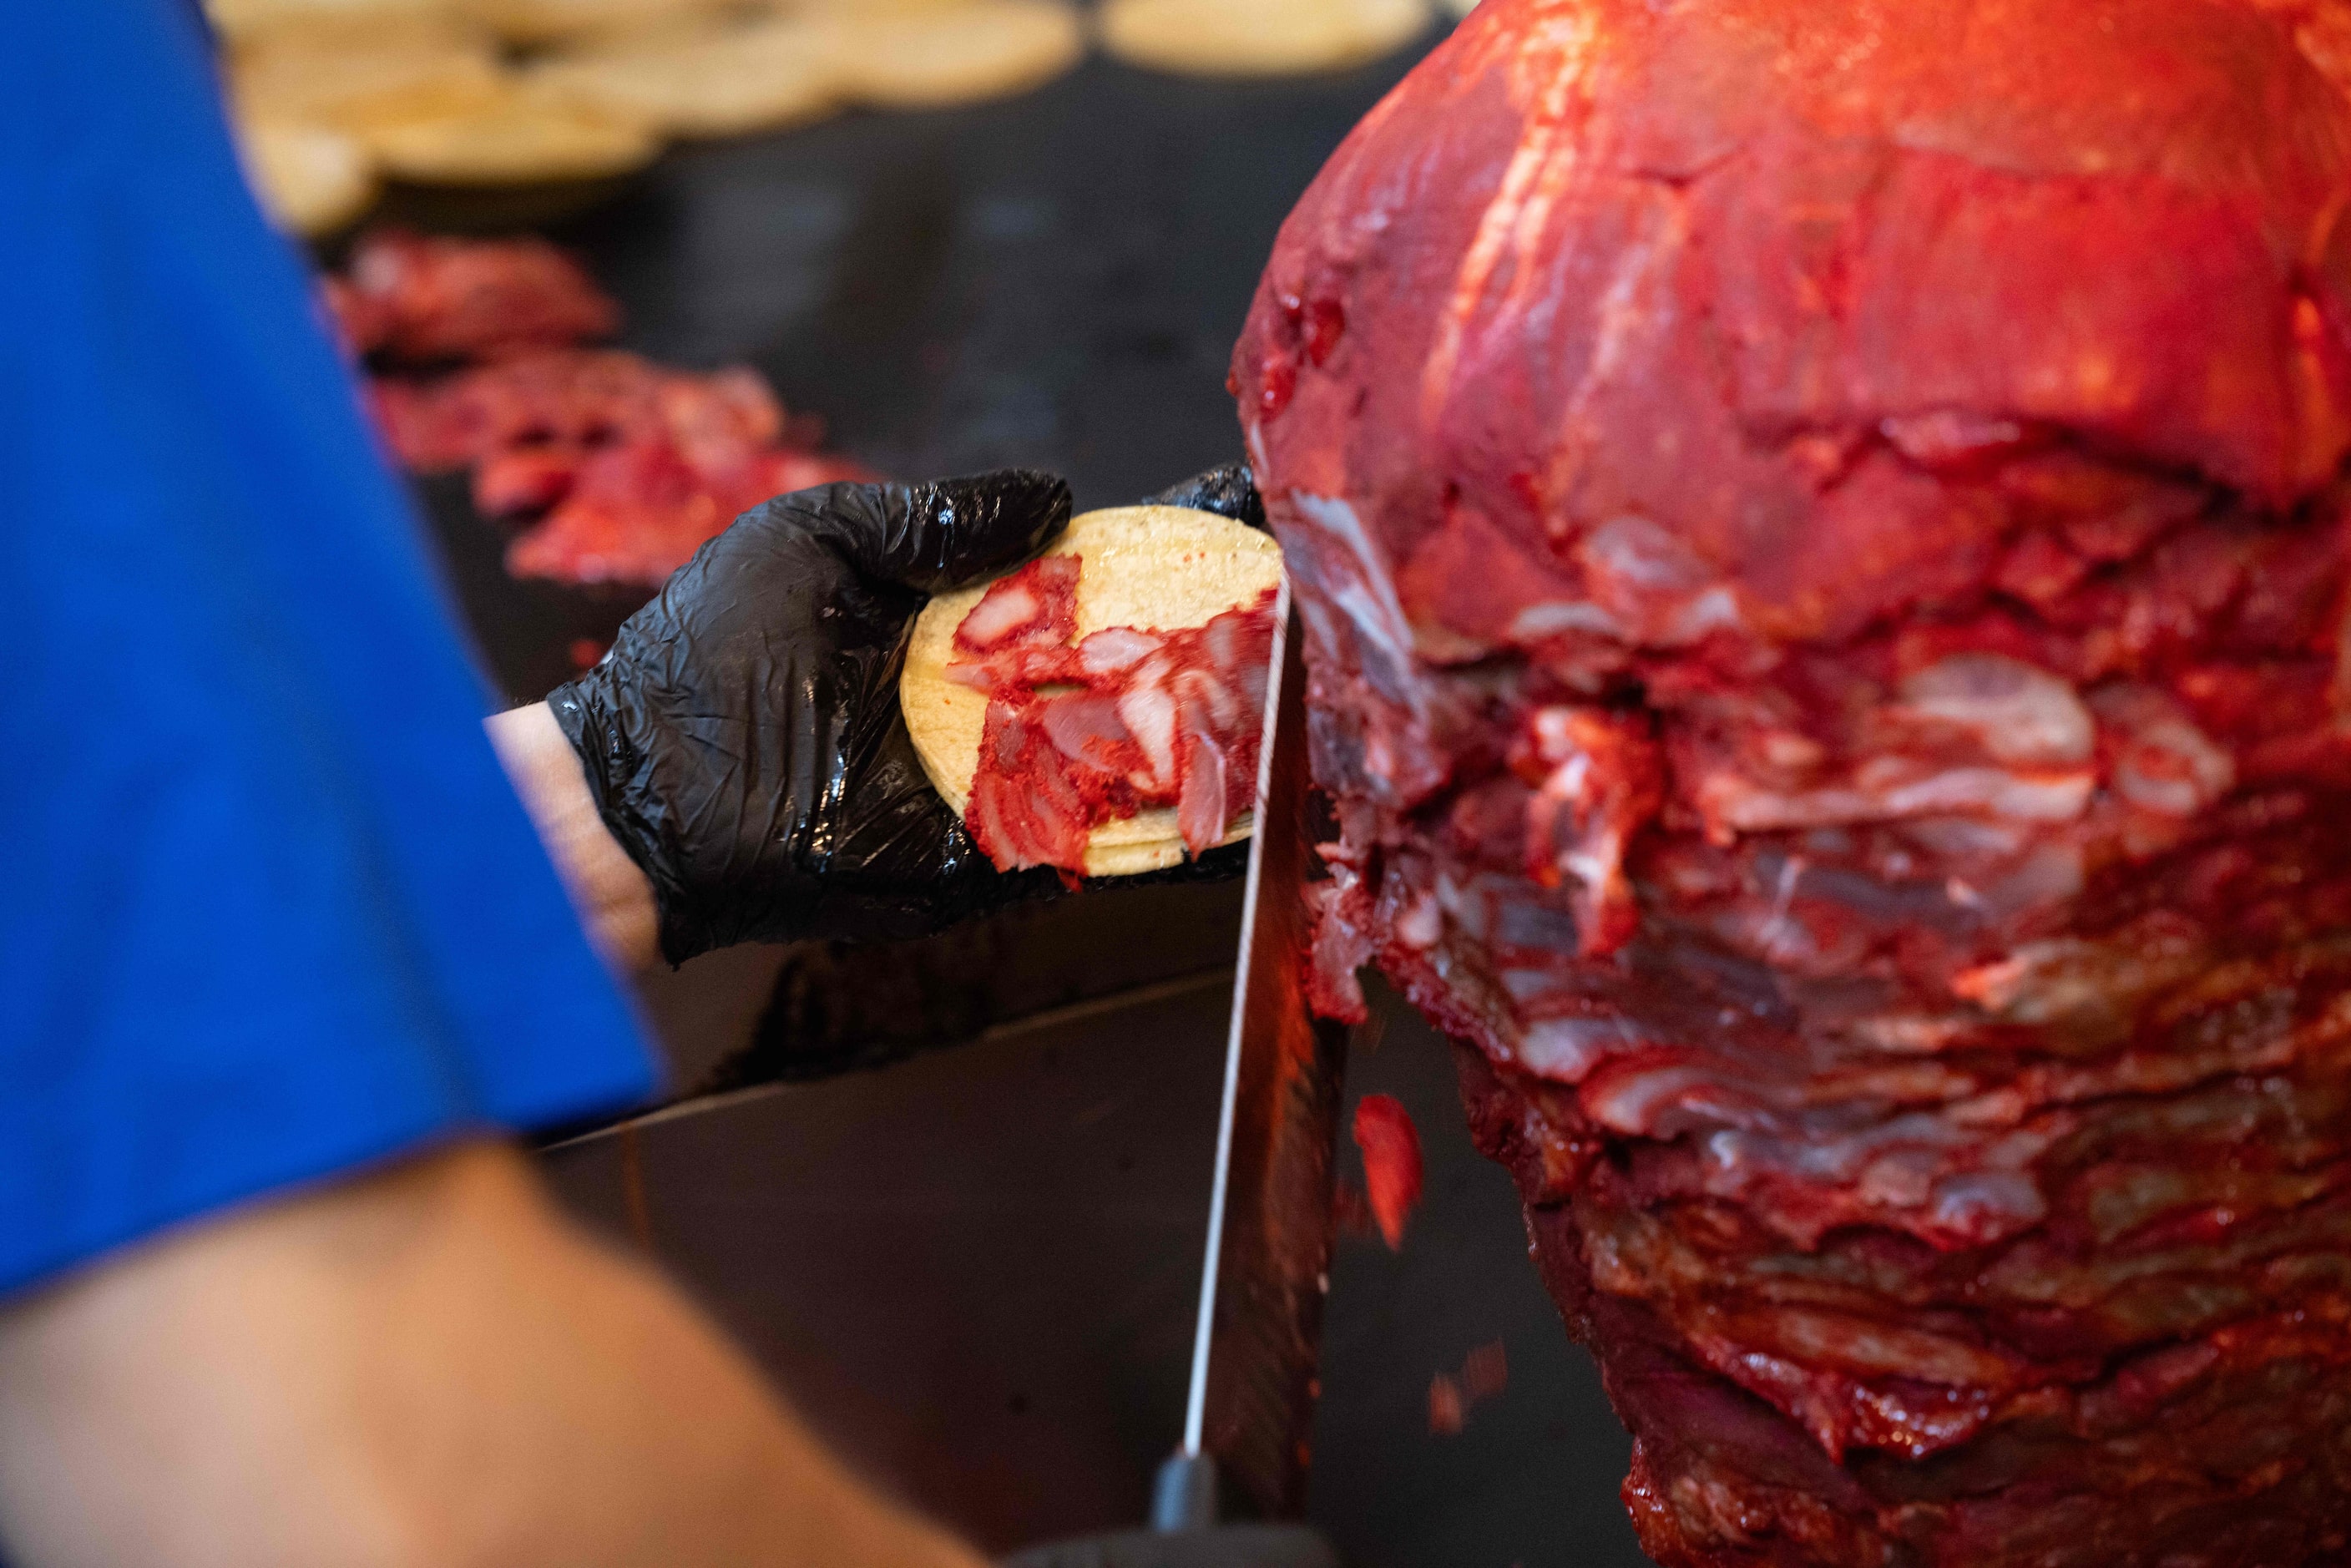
[(333, 96)]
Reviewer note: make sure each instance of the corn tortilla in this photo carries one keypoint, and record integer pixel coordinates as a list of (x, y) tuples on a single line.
[(934, 57), (312, 75), (338, 30), (513, 139), (311, 180), (236, 20), (1258, 37), (708, 81), (818, 8), (532, 23), (1157, 568)]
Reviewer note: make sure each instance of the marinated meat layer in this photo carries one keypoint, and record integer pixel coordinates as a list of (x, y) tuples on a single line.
[(1819, 536)]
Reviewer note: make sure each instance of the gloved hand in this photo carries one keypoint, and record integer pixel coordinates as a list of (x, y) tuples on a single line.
[(1226, 1546), (1229, 491), (743, 738)]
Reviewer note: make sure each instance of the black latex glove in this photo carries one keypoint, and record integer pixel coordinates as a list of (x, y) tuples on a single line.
[(1228, 1546), (1229, 491), (743, 738)]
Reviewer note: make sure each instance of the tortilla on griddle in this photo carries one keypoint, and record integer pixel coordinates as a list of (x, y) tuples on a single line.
[(532, 23), (335, 74), (512, 137), (703, 81), (1156, 568), (1258, 37), (933, 57), (311, 179), (238, 18)]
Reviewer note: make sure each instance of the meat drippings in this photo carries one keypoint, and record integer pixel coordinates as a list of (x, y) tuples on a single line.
[(1079, 732)]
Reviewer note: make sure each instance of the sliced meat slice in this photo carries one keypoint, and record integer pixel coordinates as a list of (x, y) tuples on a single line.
[(1203, 805), (1085, 729), (1035, 606), (1026, 809), (1148, 709), (1116, 649)]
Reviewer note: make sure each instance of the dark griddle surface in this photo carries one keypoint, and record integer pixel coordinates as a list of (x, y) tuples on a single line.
[(974, 1270), (1055, 280)]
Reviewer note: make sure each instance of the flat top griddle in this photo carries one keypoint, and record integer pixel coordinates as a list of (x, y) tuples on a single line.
[(1053, 280), (975, 1268)]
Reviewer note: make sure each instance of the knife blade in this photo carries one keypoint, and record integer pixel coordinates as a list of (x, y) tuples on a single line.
[(1258, 1342)]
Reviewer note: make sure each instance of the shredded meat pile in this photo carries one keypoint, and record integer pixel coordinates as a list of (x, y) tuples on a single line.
[(1821, 537), (626, 467), (1083, 732)]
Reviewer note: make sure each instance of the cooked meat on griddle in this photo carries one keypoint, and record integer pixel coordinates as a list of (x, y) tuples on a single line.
[(624, 466), (1821, 534), (633, 466), (422, 299)]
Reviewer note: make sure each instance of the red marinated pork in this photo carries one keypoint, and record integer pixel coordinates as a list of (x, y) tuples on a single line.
[(1083, 731), (623, 467), (1820, 530), (425, 297), (633, 466)]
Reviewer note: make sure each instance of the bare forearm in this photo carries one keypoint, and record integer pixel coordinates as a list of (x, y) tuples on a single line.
[(614, 900), (427, 1367)]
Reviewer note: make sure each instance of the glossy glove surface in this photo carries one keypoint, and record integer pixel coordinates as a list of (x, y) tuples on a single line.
[(1229, 491), (743, 737)]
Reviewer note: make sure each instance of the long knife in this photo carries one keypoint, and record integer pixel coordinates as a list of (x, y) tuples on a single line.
[(1248, 1420)]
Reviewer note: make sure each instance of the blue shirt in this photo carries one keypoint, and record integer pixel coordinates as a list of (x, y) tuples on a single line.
[(271, 909)]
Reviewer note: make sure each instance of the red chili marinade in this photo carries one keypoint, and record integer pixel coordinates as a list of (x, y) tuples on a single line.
[(1079, 733), (1886, 867)]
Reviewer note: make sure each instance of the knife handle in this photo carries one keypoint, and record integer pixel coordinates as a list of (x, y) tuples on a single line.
[(1184, 1494)]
